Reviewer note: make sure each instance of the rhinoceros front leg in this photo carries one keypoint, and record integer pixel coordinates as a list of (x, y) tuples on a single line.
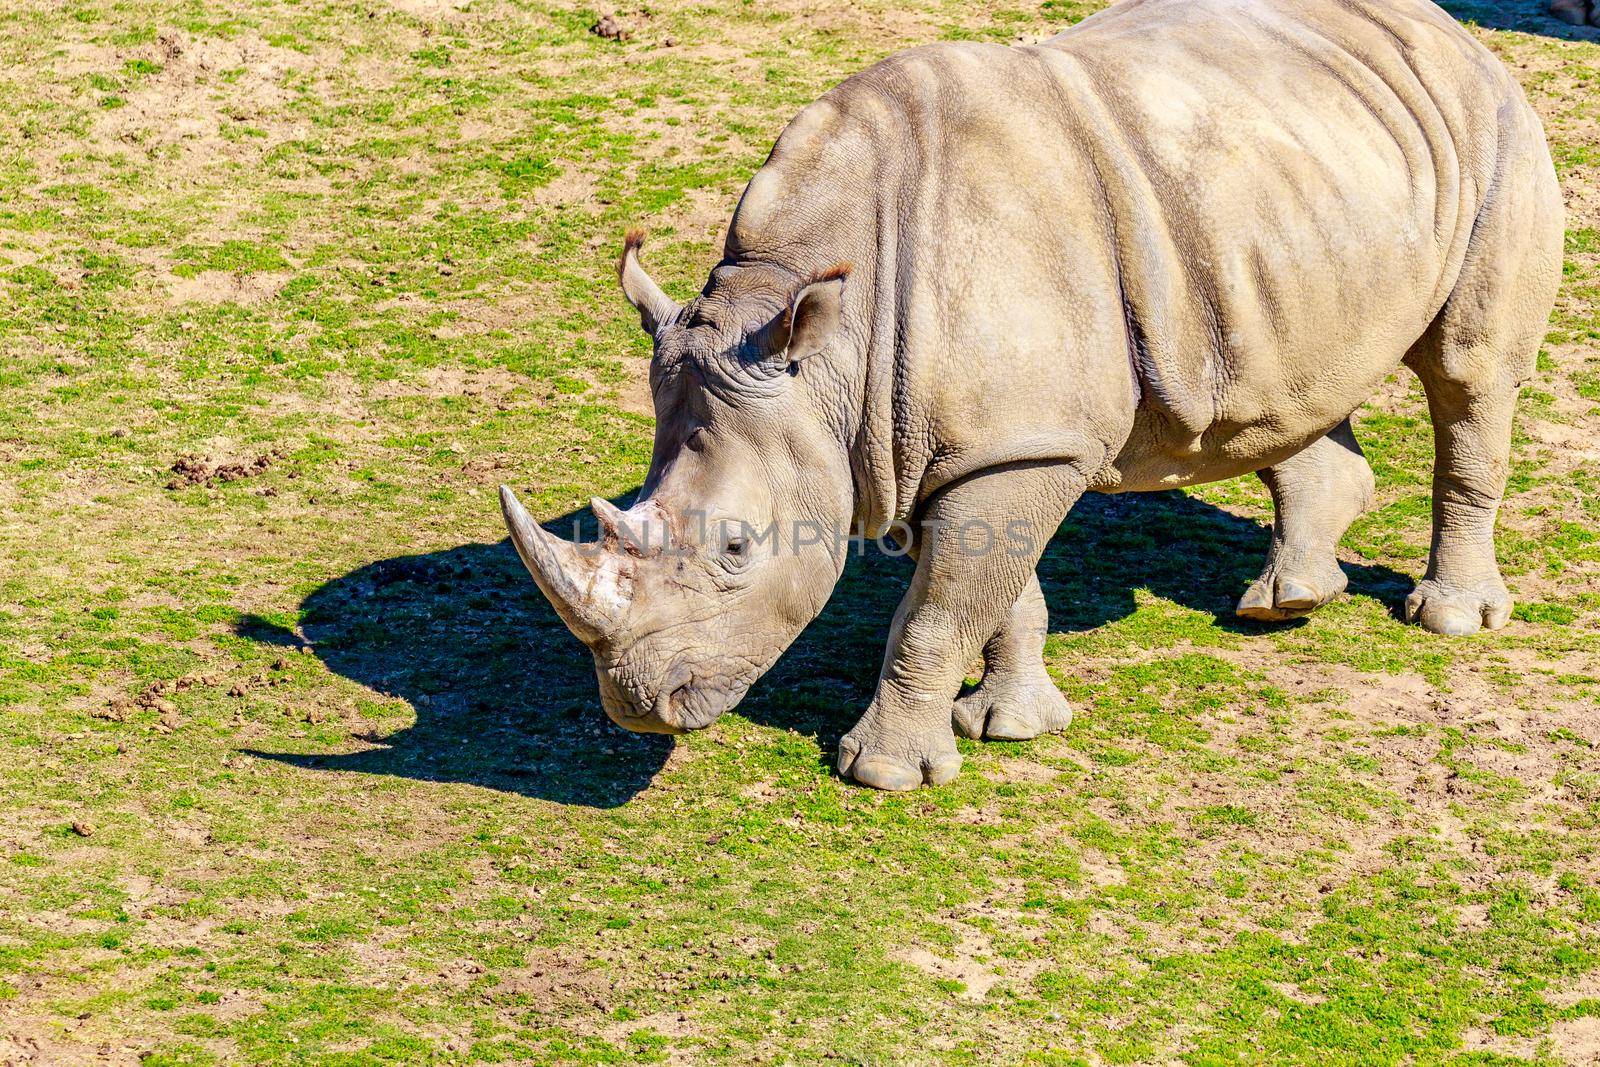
[(979, 543), (1017, 698), (1316, 494)]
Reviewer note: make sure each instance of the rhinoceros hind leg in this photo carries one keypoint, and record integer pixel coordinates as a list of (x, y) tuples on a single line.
[(1316, 493), (958, 599), (1017, 699), (1462, 591), (1472, 362)]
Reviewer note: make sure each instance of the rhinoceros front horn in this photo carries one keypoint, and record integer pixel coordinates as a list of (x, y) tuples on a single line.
[(564, 573)]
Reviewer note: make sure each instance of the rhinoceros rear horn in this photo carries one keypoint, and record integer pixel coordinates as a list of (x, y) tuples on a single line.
[(654, 306), (568, 576)]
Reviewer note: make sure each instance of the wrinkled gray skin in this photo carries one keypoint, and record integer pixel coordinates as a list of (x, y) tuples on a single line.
[(1175, 244)]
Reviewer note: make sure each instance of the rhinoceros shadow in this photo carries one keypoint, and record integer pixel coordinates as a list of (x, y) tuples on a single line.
[(1526, 16), (505, 698)]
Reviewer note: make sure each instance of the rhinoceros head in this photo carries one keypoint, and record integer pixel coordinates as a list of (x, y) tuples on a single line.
[(735, 541)]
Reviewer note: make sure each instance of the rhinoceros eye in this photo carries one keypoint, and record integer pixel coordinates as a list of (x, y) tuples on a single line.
[(737, 547), (736, 551)]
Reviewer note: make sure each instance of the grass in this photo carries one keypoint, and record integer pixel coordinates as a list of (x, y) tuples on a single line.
[(297, 766)]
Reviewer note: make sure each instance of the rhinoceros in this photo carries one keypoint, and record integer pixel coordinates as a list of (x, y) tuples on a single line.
[(1178, 243)]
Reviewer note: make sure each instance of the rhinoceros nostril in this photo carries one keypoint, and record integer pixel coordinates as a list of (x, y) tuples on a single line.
[(677, 703)]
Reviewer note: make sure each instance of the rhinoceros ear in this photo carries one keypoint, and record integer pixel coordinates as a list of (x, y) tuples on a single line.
[(814, 317), (654, 306)]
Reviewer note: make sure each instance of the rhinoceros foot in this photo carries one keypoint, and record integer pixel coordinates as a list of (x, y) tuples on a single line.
[(1288, 591), (887, 751), (1456, 610), (1012, 707)]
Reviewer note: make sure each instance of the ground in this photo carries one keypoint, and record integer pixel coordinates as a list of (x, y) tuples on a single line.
[(295, 764)]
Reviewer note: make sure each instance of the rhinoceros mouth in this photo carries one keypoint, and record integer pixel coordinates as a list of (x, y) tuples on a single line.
[(694, 707), (683, 704), (641, 724), (638, 716)]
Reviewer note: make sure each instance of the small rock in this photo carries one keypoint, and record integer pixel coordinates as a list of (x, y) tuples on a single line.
[(117, 710), (83, 829), (190, 469), (152, 695), (609, 28)]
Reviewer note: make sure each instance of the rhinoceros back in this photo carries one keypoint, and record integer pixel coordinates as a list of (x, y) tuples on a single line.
[(1295, 184), (1175, 243)]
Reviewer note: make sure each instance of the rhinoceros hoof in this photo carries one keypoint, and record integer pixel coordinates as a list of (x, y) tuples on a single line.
[(884, 758), (1456, 610), (1283, 593), (1012, 708)]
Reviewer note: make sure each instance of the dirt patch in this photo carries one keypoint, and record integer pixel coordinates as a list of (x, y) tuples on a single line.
[(1025, 770), (557, 983), (25, 1045), (1585, 988), (573, 187), (666, 1023), (1573, 1041), (634, 395), (1102, 870), (1577, 1040), (227, 287), (428, 9), (966, 967)]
